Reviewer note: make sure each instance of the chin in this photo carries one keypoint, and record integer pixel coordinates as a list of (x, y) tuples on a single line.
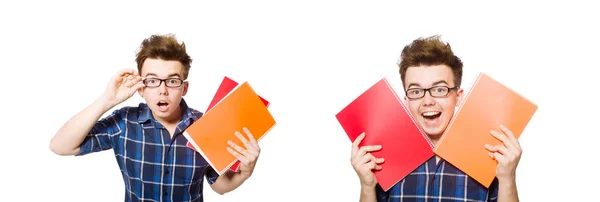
[(434, 133), (162, 115)]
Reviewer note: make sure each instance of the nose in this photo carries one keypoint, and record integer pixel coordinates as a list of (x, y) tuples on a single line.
[(162, 88), (428, 100)]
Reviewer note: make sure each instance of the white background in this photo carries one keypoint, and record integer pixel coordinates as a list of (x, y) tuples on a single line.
[(310, 59)]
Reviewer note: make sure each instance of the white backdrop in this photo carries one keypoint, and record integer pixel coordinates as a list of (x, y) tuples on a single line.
[(310, 59)]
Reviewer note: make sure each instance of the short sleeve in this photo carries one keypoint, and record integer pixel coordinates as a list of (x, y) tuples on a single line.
[(493, 191), (100, 136), (382, 196), (211, 175)]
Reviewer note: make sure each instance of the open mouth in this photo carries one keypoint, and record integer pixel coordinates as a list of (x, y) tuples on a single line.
[(163, 105), (431, 116)]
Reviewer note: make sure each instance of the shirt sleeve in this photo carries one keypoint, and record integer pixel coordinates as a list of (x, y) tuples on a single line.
[(211, 175), (382, 196), (100, 136), (493, 191)]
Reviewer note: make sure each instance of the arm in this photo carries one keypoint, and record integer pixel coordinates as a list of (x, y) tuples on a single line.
[(364, 163), (507, 191), (69, 137), (507, 155), (247, 157), (228, 182), (367, 194)]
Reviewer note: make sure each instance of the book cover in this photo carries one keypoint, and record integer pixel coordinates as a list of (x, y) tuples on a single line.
[(226, 86), (487, 105), (386, 121), (241, 108)]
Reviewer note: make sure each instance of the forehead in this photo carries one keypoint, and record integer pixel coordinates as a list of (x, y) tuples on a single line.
[(161, 68), (426, 76)]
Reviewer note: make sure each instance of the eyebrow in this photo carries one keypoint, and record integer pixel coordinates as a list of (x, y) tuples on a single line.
[(170, 75), (434, 83)]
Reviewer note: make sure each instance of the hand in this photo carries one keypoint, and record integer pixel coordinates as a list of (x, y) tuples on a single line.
[(248, 156), (122, 86), (364, 162), (507, 154)]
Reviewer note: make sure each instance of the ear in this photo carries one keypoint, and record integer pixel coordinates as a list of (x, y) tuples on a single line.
[(141, 91), (185, 88), (459, 96)]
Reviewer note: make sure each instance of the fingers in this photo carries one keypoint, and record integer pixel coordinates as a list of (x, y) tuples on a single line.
[(366, 162), (374, 166), (243, 155), (368, 158), (501, 159), (237, 148), (252, 145), (251, 137), (365, 158), (369, 148), (132, 81), (504, 139), (511, 136), (497, 148), (137, 86), (238, 156), (126, 71), (356, 143), (370, 165), (239, 136), (127, 77)]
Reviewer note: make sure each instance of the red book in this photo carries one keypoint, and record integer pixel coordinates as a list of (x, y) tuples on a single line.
[(227, 85), (387, 122)]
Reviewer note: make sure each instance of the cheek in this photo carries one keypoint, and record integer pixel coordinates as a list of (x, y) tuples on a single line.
[(413, 107), (149, 94), (448, 108), (175, 93)]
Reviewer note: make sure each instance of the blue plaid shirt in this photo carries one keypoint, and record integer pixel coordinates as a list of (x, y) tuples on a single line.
[(155, 167), (438, 182)]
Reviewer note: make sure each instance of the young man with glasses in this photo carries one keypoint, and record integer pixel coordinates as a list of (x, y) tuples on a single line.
[(147, 140), (431, 75)]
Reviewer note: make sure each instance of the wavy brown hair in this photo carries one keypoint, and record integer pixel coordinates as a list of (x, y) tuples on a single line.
[(164, 47), (430, 51)]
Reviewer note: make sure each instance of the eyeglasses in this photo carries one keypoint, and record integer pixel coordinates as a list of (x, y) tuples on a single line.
[(436, 91), (170, 82)]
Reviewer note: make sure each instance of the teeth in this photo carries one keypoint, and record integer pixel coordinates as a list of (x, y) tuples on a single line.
[(430, 113)]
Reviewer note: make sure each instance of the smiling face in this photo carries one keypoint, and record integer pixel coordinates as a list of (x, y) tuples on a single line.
[(163, 100), (432, 113)]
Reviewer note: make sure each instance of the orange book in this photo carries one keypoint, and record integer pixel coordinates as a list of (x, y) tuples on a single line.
[(227, 85), (487, 105), (241, 108)]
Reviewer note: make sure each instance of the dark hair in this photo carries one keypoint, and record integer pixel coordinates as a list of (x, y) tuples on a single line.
[(430, 51), (163, 47)]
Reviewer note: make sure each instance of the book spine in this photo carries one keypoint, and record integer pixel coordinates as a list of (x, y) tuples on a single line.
[(409, 114), (460, 106)]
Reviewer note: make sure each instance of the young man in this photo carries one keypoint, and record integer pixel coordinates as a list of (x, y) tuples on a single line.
[(431, 76), (147, 140)]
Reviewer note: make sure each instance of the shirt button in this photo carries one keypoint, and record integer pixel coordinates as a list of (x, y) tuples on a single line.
[(166, 193), (166, 171)]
